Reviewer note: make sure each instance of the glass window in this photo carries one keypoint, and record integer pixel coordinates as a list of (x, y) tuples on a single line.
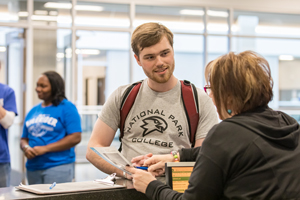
[(178, 19), (283, 57), (102, 14), (266, 24), (216, 46), (13, 11), (189, 58), (52, 13), (48, 53), (103, 64), (217, 22)]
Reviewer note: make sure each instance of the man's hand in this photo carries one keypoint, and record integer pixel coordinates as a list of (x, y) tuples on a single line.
[(141, 179), (157, 163), (139, 160)]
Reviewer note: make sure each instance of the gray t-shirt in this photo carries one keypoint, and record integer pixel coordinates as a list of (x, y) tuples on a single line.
[(157, 121)]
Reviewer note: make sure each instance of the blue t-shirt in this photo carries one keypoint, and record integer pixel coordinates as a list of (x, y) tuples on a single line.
[(8, 102), (45, 125)]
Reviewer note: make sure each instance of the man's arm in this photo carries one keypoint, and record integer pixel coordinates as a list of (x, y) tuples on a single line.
[(199, 142), (102, 136), (207, 117)]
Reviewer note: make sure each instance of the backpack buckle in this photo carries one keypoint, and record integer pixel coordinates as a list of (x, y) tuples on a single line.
[(185, 82)]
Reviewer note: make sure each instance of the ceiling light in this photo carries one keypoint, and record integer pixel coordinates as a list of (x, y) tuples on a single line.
[(286, 57), (234, 28), (5, 16), (68, 51), (191, 12), (89, 8), (60, 55), (43, 18), (23, 14), (58, 5), (53, 13), (88, 51), (2, 49), (101, 21), (174, 25), (217, 27), (82, 51), (69, 6), (41, 12), (217, 13)]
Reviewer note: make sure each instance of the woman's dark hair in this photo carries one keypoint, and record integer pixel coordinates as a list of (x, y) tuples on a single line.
[(57, 87)]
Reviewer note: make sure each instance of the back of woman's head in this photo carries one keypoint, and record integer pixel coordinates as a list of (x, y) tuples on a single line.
[(57, 87), (239, 82)]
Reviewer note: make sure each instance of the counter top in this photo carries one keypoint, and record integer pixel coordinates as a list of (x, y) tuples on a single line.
[(128, 193)]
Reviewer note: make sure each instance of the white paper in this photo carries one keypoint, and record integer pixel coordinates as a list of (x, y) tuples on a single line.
[(113, 156), (66, 187)]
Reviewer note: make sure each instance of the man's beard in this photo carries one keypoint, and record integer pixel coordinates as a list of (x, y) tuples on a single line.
[(163, 78)]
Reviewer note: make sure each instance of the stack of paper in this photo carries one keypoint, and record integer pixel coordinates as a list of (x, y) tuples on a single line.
[(67, 187)]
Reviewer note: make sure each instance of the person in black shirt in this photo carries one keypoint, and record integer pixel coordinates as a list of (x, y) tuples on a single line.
[(252, 154)]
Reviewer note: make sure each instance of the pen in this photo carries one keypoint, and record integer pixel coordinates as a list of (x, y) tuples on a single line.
[(53, 185), (142, 167)]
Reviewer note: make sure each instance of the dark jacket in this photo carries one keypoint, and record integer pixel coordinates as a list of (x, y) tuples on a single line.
[(253, 155)]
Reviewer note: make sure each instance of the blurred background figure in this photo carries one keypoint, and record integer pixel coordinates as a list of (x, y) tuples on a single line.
[(8, 111), (50, 132)]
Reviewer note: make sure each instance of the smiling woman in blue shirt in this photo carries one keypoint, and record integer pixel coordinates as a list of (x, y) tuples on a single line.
[(50, 132)]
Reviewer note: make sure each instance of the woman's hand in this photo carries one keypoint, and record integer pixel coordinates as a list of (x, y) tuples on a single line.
[(139, 160), (140, 179), (30, 153), (40, 150), (157, 163)]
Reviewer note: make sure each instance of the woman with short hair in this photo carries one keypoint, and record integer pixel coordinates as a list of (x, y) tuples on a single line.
[(251, 154), (50, 132)]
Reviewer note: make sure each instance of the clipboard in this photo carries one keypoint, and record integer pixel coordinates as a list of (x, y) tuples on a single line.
[(113, 157), (67, 187)]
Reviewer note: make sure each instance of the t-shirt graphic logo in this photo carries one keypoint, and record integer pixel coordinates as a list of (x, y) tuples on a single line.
[(41, 124), (154, 123)]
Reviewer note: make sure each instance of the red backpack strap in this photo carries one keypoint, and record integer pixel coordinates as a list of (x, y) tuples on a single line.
[(189, 97), (127, 102)]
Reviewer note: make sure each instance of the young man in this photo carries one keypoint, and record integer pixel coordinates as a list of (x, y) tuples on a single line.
[(157, 121), (8, 111)]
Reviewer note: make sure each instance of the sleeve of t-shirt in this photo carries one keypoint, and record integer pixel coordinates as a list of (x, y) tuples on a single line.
[(207, 114), (25, 130), (10, 101), (72, 122), (110, 112)]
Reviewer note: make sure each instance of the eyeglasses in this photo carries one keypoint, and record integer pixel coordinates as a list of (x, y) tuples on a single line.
[(207, 89)]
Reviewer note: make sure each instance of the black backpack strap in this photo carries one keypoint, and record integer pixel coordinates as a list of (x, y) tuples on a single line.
[(189, 97), (126, 104)]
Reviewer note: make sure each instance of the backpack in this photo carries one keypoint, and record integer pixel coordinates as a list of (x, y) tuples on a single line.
[(189, 97)]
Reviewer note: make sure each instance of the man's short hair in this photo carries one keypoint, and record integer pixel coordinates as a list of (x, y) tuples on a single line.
[(149, 34), (239, 82)]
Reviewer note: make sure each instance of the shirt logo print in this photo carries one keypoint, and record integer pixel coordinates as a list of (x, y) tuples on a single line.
[(154, 123)]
